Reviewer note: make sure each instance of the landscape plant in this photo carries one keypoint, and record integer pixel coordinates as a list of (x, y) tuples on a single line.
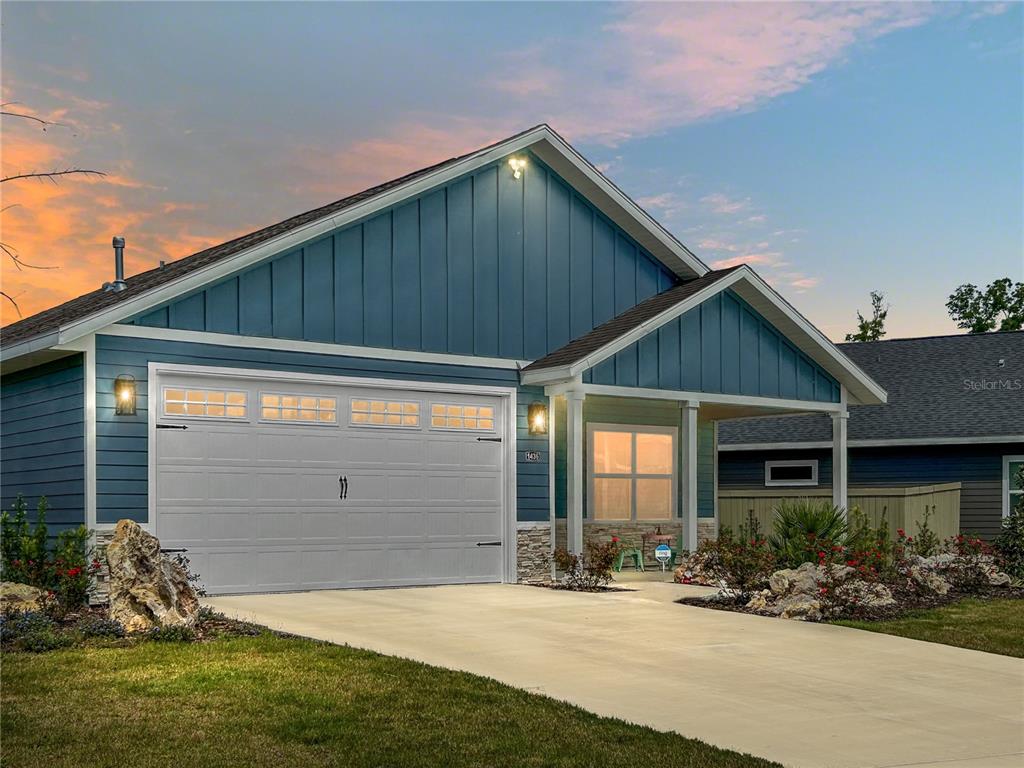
[(802, 527), (591, 571), (743, 561), (1009, 544)]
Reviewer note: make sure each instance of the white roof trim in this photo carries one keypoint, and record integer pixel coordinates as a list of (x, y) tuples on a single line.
[(543, 141), (808, 339), (908, 441)]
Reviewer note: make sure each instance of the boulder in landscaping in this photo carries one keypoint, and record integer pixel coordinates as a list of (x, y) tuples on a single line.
[(147, 588), (799, 605), (692, 570), (20, 597), (929, 579)]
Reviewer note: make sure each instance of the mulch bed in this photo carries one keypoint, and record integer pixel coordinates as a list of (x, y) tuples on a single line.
[(905, 603)]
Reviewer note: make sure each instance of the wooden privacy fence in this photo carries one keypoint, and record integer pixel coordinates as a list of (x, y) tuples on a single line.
[(902, 506)]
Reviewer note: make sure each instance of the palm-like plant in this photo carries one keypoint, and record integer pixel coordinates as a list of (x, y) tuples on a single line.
[(802, 527)]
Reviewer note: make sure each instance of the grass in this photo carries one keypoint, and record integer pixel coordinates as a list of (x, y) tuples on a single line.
[(273, 701), (995, 626)]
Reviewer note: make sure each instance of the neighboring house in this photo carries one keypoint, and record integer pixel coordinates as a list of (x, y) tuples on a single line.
[(412, 385), (955, 415)]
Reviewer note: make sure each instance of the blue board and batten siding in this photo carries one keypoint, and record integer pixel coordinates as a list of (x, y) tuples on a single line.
[(486, 265), (121, 441), (42, 439), (721, 346)]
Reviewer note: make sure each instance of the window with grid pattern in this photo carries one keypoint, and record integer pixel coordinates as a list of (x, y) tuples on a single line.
[(300, 408), (211, 403), (632, 474), (385, 413), (456, 416)]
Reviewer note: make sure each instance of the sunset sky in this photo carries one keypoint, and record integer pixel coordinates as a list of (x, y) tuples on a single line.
[(838, 148)]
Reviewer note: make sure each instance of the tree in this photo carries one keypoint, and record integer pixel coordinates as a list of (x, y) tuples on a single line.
[(52, 176), (874, 328), (999, 307)]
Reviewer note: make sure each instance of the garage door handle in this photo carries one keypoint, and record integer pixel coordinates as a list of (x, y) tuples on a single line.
[(488, 543), (343, 490), (171, 426), (488, 439)]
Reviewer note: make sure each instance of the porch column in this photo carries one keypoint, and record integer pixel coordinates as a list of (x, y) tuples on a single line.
[(839, 460), (574, 469), (689, 474)]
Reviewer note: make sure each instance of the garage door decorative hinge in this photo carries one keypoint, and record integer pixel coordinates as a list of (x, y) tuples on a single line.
[(171, 426), (488, 439)]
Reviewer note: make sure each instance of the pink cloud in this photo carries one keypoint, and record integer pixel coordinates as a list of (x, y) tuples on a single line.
[(720, 203), (769, 259)]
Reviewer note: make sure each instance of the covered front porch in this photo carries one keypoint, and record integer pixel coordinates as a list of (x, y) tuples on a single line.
[(641, 464)]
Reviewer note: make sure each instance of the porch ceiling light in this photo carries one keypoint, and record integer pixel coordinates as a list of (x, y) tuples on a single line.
[(537, 418), (517, 164), (125, 395)]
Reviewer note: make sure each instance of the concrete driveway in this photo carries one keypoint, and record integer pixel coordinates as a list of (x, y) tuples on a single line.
[(802, 694)]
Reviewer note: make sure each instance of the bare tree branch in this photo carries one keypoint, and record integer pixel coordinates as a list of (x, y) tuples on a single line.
[(6, 113), (13, 302), (53, 175)]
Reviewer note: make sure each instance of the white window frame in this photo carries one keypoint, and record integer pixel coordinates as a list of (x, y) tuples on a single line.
[(315, 423), (769, 465), (461, 404), (634, 430), (1007, 460), (370, 399), (236, 419)]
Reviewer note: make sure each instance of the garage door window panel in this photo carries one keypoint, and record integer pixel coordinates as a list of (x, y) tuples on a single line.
[(462, 416), (366, 412), (298, 408), (191, 402)]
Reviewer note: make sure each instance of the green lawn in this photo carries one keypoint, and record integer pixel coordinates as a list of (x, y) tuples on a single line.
[(271, 701), (996, 626)]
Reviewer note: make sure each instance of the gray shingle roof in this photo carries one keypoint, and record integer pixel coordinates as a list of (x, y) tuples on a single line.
[(943, 387), (579, 348), (52, 319)]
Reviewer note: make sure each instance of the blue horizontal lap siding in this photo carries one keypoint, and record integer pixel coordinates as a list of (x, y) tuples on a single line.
[(122, 441), (722, 346), (486, 265), (42, 440)]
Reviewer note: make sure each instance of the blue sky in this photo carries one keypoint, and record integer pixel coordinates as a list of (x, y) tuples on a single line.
[(839, 148)]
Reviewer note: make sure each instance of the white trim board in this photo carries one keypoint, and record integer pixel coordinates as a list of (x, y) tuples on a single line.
[(509, 395), (910, 441), (542, 140), (752, 289), (609, 390), (1005, 501), (313, 347)]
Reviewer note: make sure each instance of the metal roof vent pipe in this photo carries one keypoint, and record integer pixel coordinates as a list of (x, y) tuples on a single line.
[(119, 284)]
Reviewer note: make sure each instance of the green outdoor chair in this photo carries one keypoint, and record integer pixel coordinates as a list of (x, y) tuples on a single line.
[(632, 552)]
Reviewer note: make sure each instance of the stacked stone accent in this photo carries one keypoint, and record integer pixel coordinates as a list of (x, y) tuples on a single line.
[(101, 579), (707, 529), (533, 553), (631, 533)]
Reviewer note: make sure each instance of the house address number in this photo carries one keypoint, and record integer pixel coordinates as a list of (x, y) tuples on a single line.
[(533, 455)]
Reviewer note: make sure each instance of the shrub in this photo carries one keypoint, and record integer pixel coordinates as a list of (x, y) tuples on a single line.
[(97, 626), (32, 631), (927, 542), (1009, 544), (175, 633), (25, 556), (591, 571), (743, 561), (801, 526), (968, 568)]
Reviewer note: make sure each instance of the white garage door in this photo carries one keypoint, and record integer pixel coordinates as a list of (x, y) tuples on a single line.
[(277, 484)]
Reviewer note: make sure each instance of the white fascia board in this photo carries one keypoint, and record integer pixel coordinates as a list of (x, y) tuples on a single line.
[(542, 140), (555, 375), (780, 312), (896, 442), (27, 347), (313, 347), (697, 398)]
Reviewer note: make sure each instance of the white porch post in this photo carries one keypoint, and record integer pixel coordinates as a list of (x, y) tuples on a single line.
[(839, 460), (574, 468), (689, 412)]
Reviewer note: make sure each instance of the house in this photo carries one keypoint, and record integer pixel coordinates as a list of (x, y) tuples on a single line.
[(955, 414), (427, 382)]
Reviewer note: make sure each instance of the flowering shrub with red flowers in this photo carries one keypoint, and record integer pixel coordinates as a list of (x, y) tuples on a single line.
[(742, 561), (29, 556)]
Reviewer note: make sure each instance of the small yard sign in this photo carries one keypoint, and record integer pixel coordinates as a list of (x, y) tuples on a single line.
[(663, 553)]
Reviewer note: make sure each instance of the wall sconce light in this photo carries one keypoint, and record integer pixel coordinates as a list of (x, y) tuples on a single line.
[(517, 164), (537, 418), (125, 395)]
